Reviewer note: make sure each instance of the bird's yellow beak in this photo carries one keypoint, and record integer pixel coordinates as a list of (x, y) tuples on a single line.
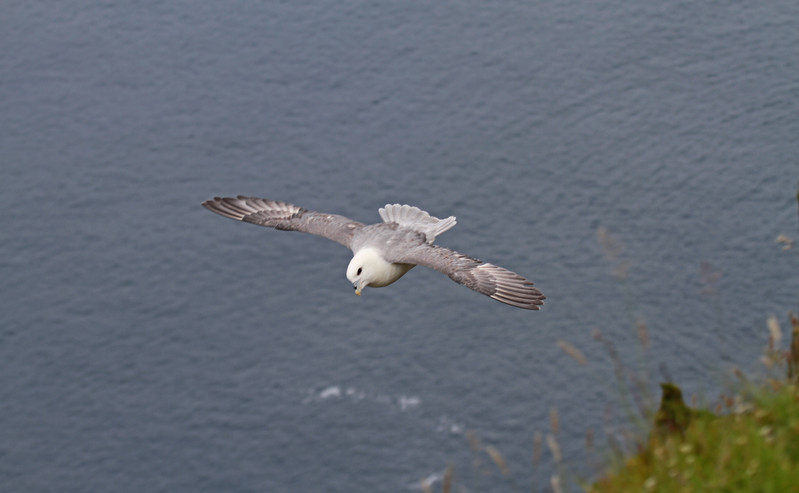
[(358, 290)]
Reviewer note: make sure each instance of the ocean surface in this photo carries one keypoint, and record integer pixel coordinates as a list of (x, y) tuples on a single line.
[(636, 160)]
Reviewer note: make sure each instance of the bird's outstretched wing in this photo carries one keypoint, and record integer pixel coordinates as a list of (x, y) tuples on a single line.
[(488, 279), (284, 216)]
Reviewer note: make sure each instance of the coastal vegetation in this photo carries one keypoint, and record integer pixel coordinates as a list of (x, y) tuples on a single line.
[(749, 442)]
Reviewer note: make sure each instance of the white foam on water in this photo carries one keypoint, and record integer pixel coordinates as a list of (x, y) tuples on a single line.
[(352, 394), (329, 392), (411, 402), (448, 425)]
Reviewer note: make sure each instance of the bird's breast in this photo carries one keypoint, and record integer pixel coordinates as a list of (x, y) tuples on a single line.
[(388, 273)]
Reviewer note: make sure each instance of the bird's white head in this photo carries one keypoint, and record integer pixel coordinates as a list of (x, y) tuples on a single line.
[(361, 269), (368, 268)]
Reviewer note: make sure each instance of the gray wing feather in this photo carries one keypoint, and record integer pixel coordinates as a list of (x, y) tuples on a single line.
[(488, 279), (285, 216)]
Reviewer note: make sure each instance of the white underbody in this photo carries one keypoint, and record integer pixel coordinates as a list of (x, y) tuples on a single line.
[(376, 272)]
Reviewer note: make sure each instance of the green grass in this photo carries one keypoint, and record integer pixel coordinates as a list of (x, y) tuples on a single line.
[(756, 450), (750, 444)]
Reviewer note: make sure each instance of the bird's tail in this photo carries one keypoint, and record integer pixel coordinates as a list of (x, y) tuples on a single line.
[(415, 218)]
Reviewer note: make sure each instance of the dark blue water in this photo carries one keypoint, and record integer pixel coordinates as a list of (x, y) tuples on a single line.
[(148, 345)]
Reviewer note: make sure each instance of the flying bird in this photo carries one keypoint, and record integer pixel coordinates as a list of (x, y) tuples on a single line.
[(384, 252)]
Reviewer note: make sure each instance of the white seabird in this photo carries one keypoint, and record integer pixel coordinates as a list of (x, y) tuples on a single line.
[(384, 252)]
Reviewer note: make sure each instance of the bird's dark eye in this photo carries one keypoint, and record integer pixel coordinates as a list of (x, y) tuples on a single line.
[(359, 270)]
